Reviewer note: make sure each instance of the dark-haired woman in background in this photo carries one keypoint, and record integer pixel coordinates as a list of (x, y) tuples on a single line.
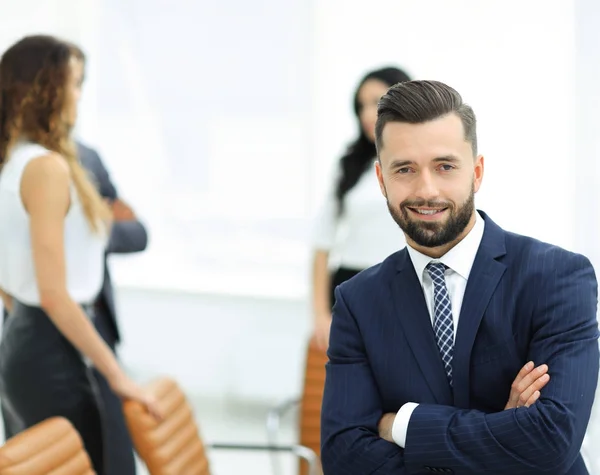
[(354, 225)]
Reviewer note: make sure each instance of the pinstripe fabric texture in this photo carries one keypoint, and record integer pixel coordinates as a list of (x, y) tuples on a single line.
[(525, 300)]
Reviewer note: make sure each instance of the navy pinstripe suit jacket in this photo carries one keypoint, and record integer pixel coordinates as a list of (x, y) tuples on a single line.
[(525, 300)]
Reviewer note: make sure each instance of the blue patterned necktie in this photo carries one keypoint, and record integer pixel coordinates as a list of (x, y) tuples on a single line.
[(443, 324)]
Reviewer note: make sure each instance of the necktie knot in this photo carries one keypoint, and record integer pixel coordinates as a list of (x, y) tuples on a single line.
[(436, 270)]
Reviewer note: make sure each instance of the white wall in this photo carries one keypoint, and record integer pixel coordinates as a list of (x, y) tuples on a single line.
[(232, 347), (201, 109), (67, 18), (259, 170), (511, 60)]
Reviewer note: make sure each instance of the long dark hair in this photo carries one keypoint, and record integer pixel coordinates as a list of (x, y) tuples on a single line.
[(362, 152)]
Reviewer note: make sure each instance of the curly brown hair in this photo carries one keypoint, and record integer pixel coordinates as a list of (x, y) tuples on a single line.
[(34, 74)]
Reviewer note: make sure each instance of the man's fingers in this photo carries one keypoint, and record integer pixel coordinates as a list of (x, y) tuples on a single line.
[(530, 378), (525, 370), (525, 389), (526, 383), (536, 386), (532, 399), (515, 388)]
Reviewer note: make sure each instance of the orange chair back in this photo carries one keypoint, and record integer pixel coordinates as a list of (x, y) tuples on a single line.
[(171, 446), (310, 405), (50, 447)]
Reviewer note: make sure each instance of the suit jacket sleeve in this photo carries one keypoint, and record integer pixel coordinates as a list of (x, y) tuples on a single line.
[(546, 437), (126, 236), (93, 162), (351, 406)]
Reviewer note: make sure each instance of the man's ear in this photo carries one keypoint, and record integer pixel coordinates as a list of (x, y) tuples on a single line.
[(478, 173), (379, 173)]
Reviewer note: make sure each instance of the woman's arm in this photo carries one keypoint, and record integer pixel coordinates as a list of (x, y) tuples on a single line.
[(6, 300), (323, 239), (321, 298), (45, 191), (321, 283)]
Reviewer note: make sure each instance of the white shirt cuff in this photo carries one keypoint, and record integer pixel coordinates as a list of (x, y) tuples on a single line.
[(400, 426)]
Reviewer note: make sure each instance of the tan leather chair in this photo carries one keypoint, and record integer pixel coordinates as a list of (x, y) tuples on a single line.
[(309, 406), (173, 445), (52, 446)]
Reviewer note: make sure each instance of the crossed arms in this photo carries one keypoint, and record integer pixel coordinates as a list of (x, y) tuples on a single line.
[(543, 438), (128, 234)]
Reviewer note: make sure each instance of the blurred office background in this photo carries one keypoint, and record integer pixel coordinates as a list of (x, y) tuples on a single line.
[(221, 121)]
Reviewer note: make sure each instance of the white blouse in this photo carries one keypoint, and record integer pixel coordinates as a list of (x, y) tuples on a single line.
[(365, 234), (84, 250)]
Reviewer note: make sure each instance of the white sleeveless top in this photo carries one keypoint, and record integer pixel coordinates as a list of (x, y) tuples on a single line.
[(84, 249), (366, 233)]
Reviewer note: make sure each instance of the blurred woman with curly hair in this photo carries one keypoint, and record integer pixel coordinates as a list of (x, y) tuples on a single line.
[(53, 231)]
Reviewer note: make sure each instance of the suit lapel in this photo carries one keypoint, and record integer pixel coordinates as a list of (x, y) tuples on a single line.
[(410, 306), (483, 280)]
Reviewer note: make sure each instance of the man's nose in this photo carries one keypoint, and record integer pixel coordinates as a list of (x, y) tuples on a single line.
[(426, 187)]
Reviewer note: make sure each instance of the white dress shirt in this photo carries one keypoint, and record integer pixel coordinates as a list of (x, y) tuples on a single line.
[(365, 234), (459, 261)]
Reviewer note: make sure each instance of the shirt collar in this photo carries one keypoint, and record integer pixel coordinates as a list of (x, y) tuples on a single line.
[(460, 258)]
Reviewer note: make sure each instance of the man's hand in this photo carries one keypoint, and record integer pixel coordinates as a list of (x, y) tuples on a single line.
[(525, 391), (121, 211), (385, 426), (526, 387)]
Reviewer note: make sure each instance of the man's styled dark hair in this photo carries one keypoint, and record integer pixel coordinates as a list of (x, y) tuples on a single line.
[(416, 102)]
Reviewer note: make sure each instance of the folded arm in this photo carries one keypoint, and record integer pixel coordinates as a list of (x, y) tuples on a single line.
[(127, 237), (543, 438), (128, 234), (351, 407)]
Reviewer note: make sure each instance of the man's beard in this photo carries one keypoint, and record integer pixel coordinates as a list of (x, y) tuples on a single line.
[(432, 233)]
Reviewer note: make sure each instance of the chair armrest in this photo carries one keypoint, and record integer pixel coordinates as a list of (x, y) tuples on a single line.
[(285, 406), (274, 417), (273, 422), (300, 451)]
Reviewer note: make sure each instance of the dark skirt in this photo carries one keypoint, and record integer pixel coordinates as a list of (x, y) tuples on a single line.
[(340, 276), (42, 375)]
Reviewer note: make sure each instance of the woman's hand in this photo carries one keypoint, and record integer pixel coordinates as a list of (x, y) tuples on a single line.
[(126, 388), (321, 331), (6, 300)]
